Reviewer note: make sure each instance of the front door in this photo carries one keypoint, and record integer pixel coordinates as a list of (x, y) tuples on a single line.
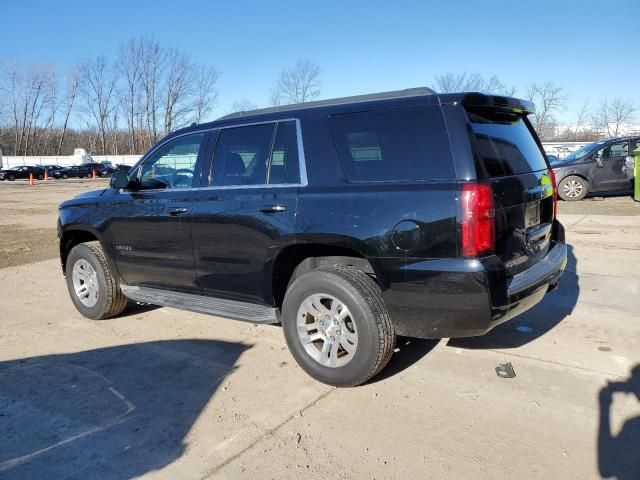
[(246, 209), (150, 225), (609, 172)]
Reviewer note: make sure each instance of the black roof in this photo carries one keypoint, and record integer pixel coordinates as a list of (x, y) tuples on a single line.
[(409, 92), (425, 94)]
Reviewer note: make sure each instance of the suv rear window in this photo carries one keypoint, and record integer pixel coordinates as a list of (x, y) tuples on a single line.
[(406, 144), (504, 143)]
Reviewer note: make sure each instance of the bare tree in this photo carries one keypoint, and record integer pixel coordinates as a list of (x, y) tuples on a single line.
[(582, 118), (298, 84), (71, 91), (243, 105), (611, 115), (549, 100), (98, 93), (129, 66), (471, 82), (153, 65), (205, 93), (177, 87)]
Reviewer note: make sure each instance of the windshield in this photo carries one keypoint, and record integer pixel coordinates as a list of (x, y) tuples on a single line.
[(581, 152)]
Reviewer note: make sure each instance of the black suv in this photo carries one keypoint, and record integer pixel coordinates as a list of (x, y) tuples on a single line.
[(604, 166), (348, 221)]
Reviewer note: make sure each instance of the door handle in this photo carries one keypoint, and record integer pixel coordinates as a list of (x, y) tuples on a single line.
[(178, 211), (273, 208)]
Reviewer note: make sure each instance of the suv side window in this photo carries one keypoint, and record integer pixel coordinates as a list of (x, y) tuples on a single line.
[(285, 164), (614, 150), (173, 164), (241, 155), (404, 144)]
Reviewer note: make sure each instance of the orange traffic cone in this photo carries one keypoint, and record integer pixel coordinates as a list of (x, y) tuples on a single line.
[(93, 175), (46, 175), (31, 182)]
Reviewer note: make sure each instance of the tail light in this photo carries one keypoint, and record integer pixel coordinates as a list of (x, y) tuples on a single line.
[(552, 174), (477, 219)]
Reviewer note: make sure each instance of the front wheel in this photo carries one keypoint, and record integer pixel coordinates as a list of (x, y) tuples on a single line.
[(93, 289), (573, 188), (337, 326)]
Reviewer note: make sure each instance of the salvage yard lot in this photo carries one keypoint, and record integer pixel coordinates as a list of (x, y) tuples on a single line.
[(172, 394)]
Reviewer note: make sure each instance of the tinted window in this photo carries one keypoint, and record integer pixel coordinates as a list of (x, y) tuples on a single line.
[(242, 154), (284, 158), (505, 144), (173, 164), (393, 145)]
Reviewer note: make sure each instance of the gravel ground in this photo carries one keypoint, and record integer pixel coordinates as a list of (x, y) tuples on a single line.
[(163, 393)]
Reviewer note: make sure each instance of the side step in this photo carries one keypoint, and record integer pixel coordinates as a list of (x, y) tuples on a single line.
[(248, 312)]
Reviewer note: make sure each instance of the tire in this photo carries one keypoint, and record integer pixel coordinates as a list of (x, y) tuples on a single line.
[(65, 176), (573, 188), (368, 323), (40, 177), (12, 178), (109, 299)]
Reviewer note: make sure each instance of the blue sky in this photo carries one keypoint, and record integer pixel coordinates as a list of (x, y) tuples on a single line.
[(590, 48)]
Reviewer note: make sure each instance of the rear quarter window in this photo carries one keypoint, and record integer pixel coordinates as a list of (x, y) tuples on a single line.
[(406, 144), (504, 144)]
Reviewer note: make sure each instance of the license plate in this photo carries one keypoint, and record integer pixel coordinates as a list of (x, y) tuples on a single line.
[(532, 215)]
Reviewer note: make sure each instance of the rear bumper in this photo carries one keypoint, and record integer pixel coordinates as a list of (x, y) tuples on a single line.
[(465, 298)]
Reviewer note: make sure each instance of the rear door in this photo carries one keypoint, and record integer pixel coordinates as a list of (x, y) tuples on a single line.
[(509, 157), (609, 173), (246, 208)]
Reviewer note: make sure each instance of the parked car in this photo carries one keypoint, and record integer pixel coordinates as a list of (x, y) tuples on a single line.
[(76, 171), (348, 221), (604, 166), (121, 167), (52, 168), (102, 169), (22, 172)]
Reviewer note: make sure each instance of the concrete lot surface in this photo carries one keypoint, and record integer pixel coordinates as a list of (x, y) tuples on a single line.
[(161, 393)]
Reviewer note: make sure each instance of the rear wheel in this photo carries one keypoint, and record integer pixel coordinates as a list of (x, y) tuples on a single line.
[(12, 178), (93, 289), (65, 176), (337, 326), (573, 188)]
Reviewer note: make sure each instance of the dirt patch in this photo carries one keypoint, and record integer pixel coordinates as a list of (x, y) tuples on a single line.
[(20, 245)]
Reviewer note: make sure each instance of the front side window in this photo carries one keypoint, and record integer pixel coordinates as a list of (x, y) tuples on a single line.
[(173, 164), (405, 144), (614, 150)]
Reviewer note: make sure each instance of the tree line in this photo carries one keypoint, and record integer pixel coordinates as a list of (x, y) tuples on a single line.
[(124, 106)]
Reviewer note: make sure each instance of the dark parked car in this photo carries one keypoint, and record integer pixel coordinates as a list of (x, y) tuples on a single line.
[(348, 221), (604, 166), (76, 171), (50, 169), (101, 169), (22, 172), (121, 167)]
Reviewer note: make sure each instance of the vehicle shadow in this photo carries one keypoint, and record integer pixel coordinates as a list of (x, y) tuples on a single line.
[(619, 455), (116, 412), (408, 351), (535, 322)]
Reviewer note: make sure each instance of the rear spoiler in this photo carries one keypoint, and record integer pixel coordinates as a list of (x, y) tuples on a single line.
[(507, 104)]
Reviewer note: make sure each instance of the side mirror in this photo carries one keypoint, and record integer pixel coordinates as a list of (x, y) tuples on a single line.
[(120, 180)]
